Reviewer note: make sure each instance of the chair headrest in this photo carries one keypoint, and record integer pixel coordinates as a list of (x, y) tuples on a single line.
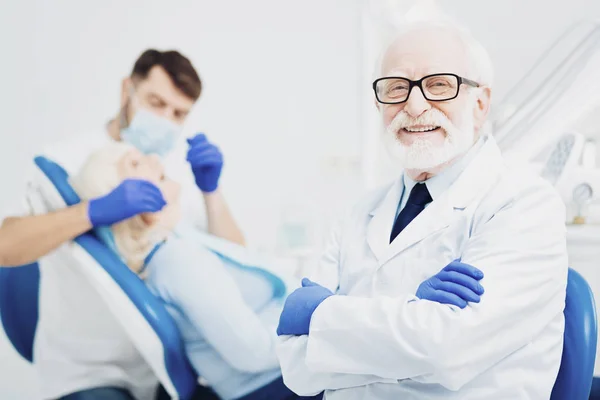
[(60, 179)]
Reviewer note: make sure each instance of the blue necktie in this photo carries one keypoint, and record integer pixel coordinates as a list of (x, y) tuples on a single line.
[(419, 197)]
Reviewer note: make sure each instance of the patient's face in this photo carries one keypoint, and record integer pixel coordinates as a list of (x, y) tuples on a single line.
[(134, 164)]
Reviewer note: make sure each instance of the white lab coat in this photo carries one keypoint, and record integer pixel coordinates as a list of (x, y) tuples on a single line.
[(378, 341)]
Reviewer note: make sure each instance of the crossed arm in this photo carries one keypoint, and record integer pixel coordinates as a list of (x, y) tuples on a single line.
[(358, 341)]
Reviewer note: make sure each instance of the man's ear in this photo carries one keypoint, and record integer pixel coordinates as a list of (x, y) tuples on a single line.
[(126, 86), (482, 107)]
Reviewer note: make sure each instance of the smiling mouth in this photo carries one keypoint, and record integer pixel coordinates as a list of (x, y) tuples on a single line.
[(420, 129)]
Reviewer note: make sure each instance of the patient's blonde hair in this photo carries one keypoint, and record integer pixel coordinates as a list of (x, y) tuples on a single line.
[(99, 176)]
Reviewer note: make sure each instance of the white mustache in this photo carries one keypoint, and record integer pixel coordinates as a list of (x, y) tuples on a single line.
[(431, 117)]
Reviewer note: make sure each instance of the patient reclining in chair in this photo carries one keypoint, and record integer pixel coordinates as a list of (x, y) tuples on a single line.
[(225, 301)]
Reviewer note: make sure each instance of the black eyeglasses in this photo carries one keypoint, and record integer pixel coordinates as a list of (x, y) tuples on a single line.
[(435, 87)]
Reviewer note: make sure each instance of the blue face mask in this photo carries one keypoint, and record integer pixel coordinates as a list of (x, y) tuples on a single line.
[(150, 133)]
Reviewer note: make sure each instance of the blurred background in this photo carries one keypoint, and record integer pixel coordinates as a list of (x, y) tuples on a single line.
[(286, 96)]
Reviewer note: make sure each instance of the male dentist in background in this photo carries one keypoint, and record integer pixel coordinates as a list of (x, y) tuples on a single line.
[(80, 350), (362, 328)]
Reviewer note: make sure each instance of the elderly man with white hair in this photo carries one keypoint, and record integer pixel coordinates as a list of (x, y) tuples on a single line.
[(363, 328)]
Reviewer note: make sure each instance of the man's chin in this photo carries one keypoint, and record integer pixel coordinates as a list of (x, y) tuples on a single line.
[(424, 160), (421, 151), (416, 166)]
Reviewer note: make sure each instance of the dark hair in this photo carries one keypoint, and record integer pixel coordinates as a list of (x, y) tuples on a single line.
[(177, 66)]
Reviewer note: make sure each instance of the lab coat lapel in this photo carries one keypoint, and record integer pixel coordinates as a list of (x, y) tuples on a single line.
[(482, 172), (435, 217), (382, 219)]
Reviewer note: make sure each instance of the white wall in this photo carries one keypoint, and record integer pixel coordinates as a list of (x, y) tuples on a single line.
[(285, 93), (514, 32), (280, 85)]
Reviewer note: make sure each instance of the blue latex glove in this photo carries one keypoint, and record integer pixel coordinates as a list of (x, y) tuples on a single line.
[(130, 198), (456, 284), (299, 308), (206, 161)]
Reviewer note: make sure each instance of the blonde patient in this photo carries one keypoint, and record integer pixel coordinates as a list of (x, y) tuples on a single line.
[(226, 307), (104, 170)]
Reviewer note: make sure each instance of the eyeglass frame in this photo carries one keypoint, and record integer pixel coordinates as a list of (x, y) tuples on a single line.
[(418, 83)]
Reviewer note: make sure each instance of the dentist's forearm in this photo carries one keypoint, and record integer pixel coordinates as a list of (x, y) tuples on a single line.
[(220, 220), (24, 240)]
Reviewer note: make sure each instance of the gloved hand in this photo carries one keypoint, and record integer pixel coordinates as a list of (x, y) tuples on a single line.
[(130, 198), (299, 307), (206, 161), (456, 284)]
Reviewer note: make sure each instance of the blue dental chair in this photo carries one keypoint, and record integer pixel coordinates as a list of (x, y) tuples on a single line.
[(576, 372), (19, 296)]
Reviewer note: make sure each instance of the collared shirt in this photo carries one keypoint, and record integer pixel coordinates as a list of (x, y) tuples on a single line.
[(439, 183)]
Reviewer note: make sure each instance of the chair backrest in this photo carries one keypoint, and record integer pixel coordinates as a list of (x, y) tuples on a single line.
[(19, 287), (142, 315), (576, 372), (19, 299)]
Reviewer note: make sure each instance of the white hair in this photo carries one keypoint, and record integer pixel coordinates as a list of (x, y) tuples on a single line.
[(422, 154), (99, 176), (478, 60)]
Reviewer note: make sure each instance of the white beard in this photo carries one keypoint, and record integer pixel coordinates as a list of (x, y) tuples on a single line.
[(422, 154)]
